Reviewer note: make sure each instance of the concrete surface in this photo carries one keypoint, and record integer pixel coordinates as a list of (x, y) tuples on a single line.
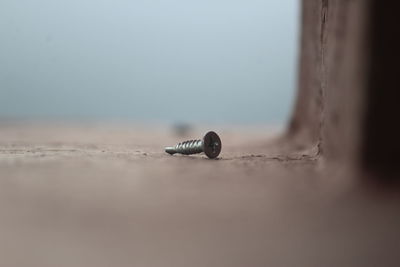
[(107, 195)]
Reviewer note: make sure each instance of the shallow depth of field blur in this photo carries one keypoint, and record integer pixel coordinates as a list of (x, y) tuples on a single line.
[(163, 61)]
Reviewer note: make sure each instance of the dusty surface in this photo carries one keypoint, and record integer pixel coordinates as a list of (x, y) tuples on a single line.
[(95, 195)]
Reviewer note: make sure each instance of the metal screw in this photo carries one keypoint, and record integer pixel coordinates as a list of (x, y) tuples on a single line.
[(210, 144)]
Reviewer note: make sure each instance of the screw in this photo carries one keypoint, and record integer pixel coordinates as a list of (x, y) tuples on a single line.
[(210, 145)]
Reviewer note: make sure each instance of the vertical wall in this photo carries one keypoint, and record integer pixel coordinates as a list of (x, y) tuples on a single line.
[(347, 95), (380, 152), (305, 123)]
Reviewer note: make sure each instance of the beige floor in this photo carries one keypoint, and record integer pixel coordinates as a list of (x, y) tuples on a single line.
[(107, 195)]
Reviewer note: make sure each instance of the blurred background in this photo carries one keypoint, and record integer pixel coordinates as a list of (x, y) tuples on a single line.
[(161, 61)]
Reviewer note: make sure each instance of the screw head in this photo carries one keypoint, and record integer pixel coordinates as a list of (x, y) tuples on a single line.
[(212, 145)]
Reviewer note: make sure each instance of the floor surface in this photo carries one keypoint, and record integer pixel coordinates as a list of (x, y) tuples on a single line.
[(108, 195)]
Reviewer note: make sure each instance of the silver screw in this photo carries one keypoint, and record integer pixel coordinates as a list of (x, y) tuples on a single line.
[(210, 144)]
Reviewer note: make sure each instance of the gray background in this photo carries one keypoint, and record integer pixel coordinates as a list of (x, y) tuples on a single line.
[(208, 61)]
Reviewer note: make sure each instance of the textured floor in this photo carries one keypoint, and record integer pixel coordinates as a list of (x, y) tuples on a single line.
[(107, 195)]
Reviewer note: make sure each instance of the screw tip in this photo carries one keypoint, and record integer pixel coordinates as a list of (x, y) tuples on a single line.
[(170, 150)]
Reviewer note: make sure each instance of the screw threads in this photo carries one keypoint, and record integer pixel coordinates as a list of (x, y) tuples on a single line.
[(189, 147)]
